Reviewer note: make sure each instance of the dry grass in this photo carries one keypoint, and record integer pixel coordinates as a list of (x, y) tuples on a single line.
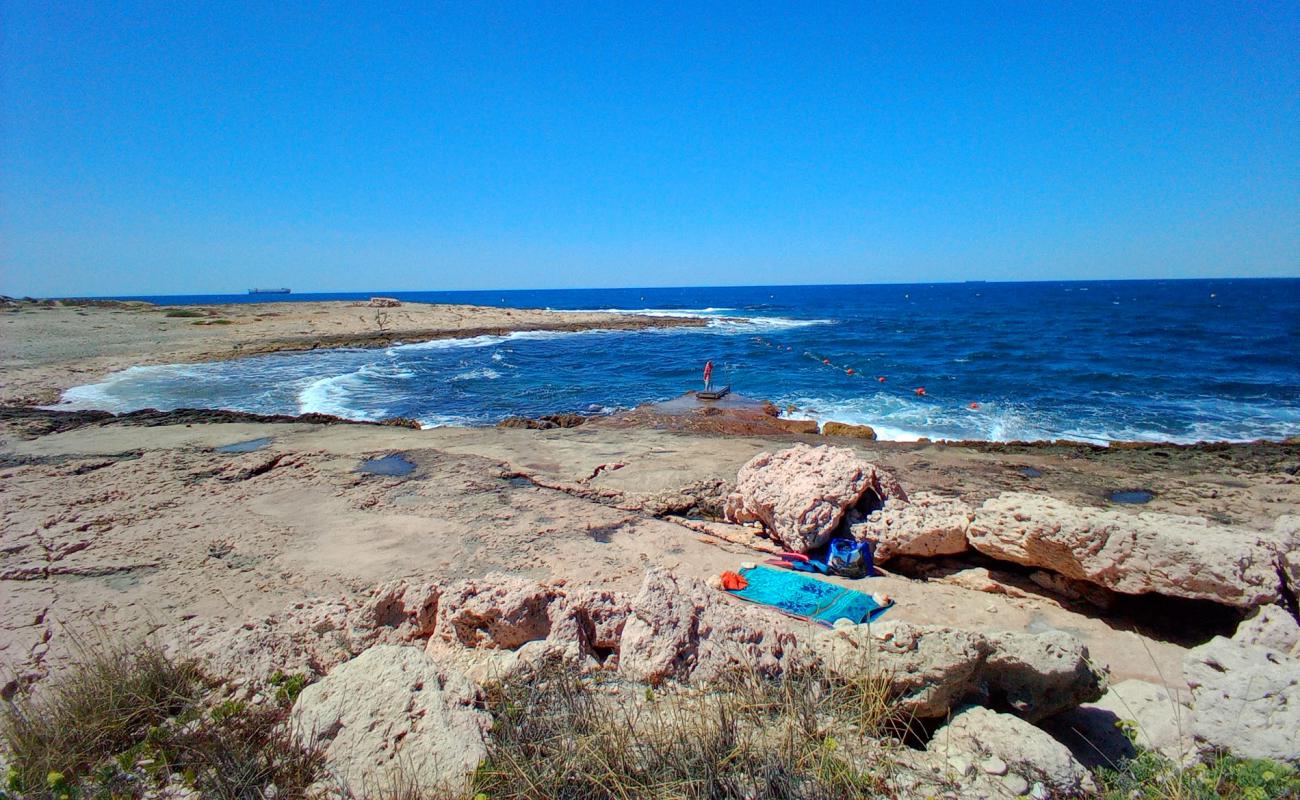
[(561, 736), (96, 709), (126, 720)]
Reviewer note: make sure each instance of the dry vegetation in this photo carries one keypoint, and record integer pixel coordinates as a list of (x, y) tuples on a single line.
[(131, 722)]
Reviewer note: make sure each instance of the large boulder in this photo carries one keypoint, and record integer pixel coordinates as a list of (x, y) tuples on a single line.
[(932, 669), (1160, 720), (394, 708), (927, 525), (680, 629), (1006, 746), (1168, 554), (1245, 693), (801, 494)]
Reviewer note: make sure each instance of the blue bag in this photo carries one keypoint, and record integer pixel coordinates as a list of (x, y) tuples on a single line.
[(850, 559)]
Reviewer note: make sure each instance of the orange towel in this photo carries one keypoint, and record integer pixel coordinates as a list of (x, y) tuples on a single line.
[(733, 581)]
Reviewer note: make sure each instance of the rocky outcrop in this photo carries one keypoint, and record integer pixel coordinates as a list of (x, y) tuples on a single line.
[(801, 494), (851, 431), (1019, 755), (1159, 719), (546, 422), (1271, 628), (1286, 535), (680, 629), (926, 525), (1167, 554), (506, 612), (1245, 692), (497, 611), (707, 498), (933, 669), (393, 708), (313, 636)]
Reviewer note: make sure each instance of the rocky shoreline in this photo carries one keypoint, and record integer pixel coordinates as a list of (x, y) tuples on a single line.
[(1043, 591)]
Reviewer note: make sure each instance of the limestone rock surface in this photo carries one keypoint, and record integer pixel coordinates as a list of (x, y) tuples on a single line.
[(1016, 746), (497, 611), (933, 669), (680, 629), (394, 707), (802, 493), (1160, 719), (1168, 554), (1245, 695), (926, 525), (314, 635)]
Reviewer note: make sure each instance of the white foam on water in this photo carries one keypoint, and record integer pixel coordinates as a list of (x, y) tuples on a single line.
[(112, 393), (331, 395), (763, 324), (483, 373), (645, 312), (902, 419)]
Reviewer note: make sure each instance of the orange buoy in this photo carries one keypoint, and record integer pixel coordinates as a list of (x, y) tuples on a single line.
[(849, 371), (920, 391), (826, 361), (880, 378), (974, 406)]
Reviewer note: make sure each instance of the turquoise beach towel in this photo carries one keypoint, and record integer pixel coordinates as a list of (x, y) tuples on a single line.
[(799, 595)]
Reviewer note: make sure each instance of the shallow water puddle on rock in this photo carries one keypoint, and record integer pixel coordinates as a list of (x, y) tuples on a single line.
[(1031, 472), (1131, 496), (392, 466), (245, 447)]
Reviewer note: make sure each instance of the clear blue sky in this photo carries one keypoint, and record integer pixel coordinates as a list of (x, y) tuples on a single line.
[(209, 147)]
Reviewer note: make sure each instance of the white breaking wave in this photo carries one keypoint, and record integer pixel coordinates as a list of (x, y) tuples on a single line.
[(762, 324), (645, 312), (112, 393), (485, 373)]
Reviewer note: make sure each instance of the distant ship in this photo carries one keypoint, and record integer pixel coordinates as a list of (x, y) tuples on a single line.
[(268, 291)]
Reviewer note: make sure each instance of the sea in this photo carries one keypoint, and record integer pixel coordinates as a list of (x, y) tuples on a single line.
[(1099, 361)]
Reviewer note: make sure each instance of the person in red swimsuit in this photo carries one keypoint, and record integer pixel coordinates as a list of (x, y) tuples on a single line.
[(708, 376)]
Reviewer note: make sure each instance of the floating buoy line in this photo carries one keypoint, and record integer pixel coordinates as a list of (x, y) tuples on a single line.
[(848, 370)]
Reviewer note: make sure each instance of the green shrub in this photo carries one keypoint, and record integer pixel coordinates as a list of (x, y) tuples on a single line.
[(1151, 776), (184, 313)]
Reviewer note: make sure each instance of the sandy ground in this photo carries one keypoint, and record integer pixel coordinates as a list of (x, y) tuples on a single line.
[(48, 348), (125, 528)]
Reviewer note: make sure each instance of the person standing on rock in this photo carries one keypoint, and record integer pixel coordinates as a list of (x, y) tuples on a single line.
[(708, 376)]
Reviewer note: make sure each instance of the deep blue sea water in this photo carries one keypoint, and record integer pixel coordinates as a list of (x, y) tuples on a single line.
[(1157, 360)]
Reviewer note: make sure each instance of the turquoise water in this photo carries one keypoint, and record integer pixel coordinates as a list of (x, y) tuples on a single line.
[(1155, 360)]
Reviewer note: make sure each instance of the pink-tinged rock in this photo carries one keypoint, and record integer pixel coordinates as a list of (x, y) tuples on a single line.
[(1168, 554), (393, 708), (314, 635), (593, 618), (506, 612), (802, 493), (680, 629), (496, 611), (926, 526)]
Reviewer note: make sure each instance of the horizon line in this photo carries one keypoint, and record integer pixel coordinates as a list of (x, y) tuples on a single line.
[(675, 286)]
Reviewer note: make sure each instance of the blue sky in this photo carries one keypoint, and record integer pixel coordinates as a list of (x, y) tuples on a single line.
[(209, 147)]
